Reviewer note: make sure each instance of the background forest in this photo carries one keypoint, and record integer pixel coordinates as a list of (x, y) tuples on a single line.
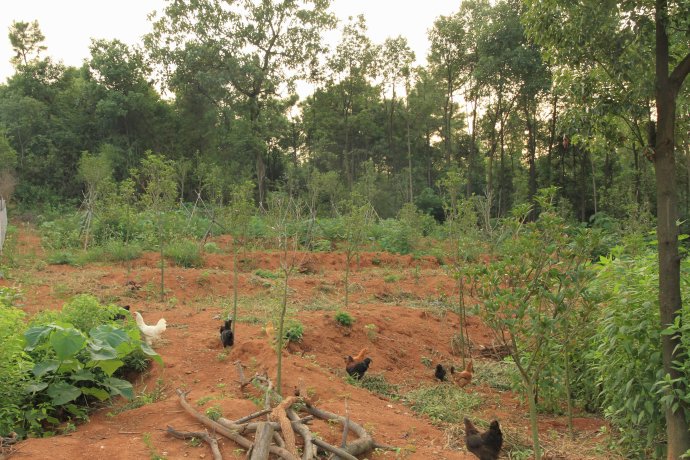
[(531, 121)]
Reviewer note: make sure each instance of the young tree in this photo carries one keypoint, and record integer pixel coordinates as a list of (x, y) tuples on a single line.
[(160, 193), (239, 212), (284, 213), (95, 171), (357, 215), (517, 290)]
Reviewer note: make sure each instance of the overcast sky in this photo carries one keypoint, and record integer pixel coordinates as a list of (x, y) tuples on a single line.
[(69, 25)]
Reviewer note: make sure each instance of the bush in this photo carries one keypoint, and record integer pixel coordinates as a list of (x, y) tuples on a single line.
[(294, 331), (344, 319), (184, 253), (445, 403)]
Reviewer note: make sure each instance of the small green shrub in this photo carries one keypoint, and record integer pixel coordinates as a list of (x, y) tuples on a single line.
[(376, 383), (294, 331), (214, 413), (184, 253), (212, 248), (62, 258), (344, 319), (266, 274)]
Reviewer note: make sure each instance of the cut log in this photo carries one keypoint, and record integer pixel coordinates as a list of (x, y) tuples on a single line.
[(262, 443)]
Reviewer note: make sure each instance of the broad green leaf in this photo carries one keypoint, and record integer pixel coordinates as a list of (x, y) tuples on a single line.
[(119, 387), (102, 353), (43, 367), (62, 392), (83, 375), (110, 366), (34, 335), (109, 334), (67, 342), (148, 351), (99, 393), (35, 387)]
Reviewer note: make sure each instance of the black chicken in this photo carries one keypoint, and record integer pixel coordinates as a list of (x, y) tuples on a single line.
[(121, 316), (440, 373), (357, 369), (226, 335), (487, 445)]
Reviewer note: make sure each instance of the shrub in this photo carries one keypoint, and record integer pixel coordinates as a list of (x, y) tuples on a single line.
[(344, 319), (294, 331), (185, 253)]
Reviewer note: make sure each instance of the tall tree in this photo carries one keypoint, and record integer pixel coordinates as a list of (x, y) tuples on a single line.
[(660, 29), (26, 39), (253, 46)]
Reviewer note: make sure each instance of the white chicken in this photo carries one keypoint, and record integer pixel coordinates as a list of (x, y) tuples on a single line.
[(150, 334)]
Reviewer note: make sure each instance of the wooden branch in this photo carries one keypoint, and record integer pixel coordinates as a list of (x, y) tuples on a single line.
[(228, 433), (309, 448), (365, 443), (204, 436), (251, 427), (262, 442), (346, 425), (240, 373), (248, 417), (279, 414), (277, 438), (342, 453)]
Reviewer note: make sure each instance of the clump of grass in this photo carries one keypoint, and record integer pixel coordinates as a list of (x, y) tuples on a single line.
[(184, 253), (212, 248), (344, 319), (266, 274), (392, 278), (62, 258), (372, 332), (376, 383), (501, 375), (444, 403), (294, 331)]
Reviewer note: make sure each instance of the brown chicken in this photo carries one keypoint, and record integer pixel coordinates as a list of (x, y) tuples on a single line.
[(487, 445), (463, 378), (361, 355)]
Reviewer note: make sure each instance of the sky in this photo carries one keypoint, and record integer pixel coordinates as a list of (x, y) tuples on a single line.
[(69, 25)]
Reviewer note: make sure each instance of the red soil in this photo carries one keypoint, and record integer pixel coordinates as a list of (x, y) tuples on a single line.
[(408, 329)]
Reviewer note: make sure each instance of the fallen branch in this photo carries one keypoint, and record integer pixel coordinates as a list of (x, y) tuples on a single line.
[(365, 443), (204, 436), (309, 448), (228, 433), (262, 443), (341, 453), (279, 414)]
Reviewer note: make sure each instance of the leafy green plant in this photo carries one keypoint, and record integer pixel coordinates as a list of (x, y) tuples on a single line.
[(214, 413), (344, 319), (294, 331), (184, 253), (376, 383), (266, 274)]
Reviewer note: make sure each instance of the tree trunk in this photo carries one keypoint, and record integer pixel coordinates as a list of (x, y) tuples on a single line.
[(670, 302)]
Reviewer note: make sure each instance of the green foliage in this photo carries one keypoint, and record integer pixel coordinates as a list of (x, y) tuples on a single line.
[(626, 352), (266, 274), (184, 253), (85, 312), (445, 403), (214, 412), (376, 383), (344, 319), (294, 331)]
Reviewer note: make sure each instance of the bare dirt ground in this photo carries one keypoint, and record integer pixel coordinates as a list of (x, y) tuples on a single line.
[(398, 294)]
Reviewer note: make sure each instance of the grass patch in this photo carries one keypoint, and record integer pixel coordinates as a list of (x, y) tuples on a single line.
[(266, 274), (500, 375), (62, 258), (184, 253), (376, 383), (344, 319), (443, 403), (142, 399)]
